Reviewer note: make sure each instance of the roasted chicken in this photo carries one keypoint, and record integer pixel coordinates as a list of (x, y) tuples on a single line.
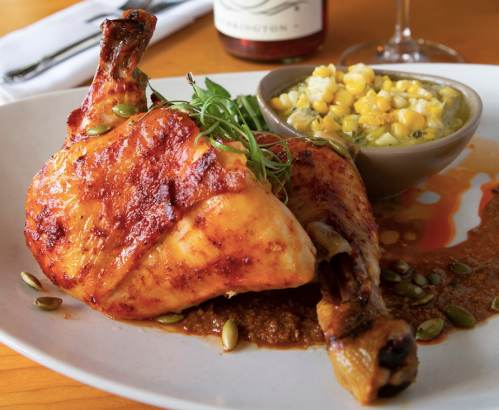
[(139, 221)]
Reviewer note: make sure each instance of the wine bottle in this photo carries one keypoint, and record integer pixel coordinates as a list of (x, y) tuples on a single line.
[(271, 30)]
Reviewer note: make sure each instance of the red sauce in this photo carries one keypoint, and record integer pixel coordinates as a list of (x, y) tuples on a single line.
[(431, 228)]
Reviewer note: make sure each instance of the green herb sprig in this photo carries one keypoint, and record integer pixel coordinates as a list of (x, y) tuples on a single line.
[(222, 118)]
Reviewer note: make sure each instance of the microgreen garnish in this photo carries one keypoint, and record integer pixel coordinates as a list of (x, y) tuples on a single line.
[(221, 118)]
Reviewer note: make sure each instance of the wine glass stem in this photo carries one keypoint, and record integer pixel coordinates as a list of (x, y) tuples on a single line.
[(402, 32)]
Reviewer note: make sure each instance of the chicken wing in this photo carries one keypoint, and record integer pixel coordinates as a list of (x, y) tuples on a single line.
[(372, 354), (139, 221)]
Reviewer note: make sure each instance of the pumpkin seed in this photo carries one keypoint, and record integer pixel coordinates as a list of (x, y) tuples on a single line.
[(406, 288), (230, 335), (402, 267), (459, 316), (319, 142), (420, 280), (47, 302), (31, 280), (429, 329), (424, 300), (434, 278), (98, 130), (390, 276), (461, 269), (340, 149), (495, 303), (125, 110), (169, 319)]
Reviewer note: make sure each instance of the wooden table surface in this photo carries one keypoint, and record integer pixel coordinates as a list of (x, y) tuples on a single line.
[(470, 29)]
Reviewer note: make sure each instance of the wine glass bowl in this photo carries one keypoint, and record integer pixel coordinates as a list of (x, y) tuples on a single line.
[(400, 48)]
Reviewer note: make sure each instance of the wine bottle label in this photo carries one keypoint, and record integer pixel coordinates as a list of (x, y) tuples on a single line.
[(268, 20)]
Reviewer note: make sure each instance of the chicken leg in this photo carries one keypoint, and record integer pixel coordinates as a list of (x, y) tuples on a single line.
[(371, 353)]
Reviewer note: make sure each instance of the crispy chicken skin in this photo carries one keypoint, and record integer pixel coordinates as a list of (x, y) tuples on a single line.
[(371, 353), (138, 222)]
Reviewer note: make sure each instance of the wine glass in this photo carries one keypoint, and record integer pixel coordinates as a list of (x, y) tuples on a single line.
[(401, 48)]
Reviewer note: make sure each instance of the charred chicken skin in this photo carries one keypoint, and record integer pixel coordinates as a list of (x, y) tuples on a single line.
[(371, 353), (140, 221)]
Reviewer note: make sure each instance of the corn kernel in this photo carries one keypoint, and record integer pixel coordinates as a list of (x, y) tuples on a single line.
[(448, 92), (333, 86), (350, 123), (321, 107), (448, 101), (371, 94), (322, 71), (300, 121), (294, 96), (378, 82), (330, 124), (317, 125), (400, 113), (301, 126), (286, 103), (413, 89), (414, 120), (399, 130), (370, 120), (287, 111), (360, 101), (382, 104), (434, 122), (343, 97), (423, 93), (437, 111), (303, 102), (276, 104), (328, 96), (361, 71), (386, 94), (400, 102), (363, 109), (386, 139), (355, 88), (370, 73), (387, 85), (402, 85), (340, 110), (339, 76)]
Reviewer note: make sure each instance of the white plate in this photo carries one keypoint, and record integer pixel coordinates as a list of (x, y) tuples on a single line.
[(179, 372)]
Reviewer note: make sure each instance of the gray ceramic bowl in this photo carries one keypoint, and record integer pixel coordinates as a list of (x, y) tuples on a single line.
[(390, 170)]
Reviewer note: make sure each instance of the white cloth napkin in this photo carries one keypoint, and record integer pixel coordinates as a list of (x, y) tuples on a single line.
[(67, 26)]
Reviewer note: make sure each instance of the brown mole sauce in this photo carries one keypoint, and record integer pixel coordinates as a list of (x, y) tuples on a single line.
[(409, 230)]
